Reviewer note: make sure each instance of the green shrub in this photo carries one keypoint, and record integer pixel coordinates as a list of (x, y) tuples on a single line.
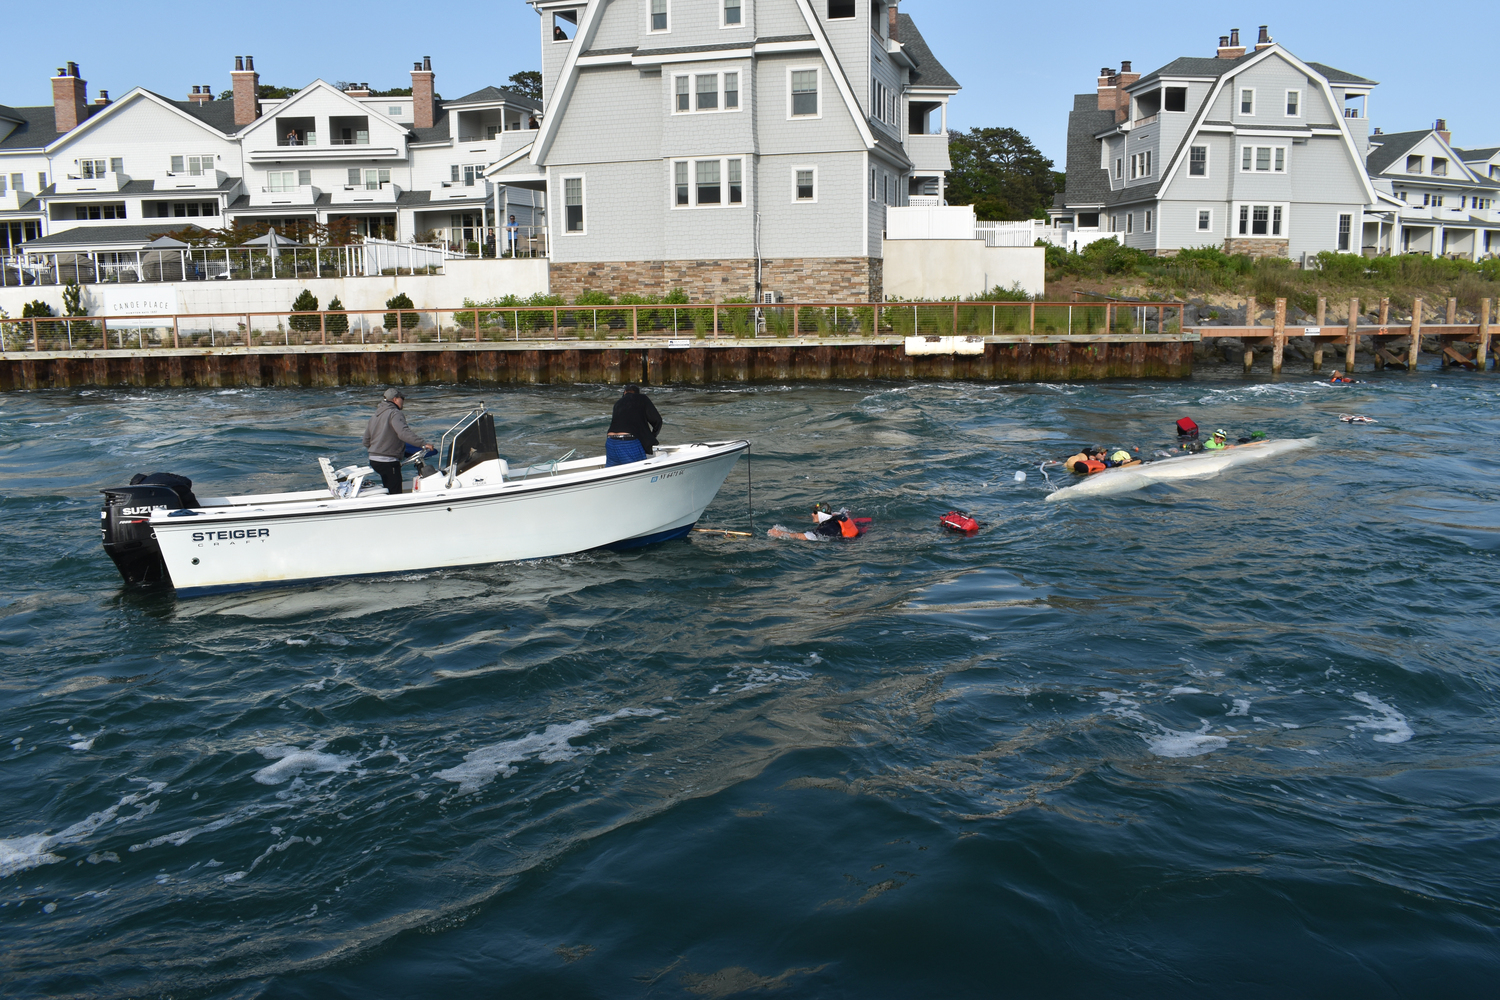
[(408, 321), (337, 324), (304, 318)]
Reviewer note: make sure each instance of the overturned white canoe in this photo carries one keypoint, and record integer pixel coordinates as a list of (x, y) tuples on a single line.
[(1204, 465), (474, 511)]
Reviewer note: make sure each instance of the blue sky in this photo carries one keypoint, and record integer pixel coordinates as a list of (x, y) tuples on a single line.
[(1019, 63)]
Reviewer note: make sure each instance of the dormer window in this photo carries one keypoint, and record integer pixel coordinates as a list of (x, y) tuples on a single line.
[(1414, 164), (1175, 99), (1439, 166)]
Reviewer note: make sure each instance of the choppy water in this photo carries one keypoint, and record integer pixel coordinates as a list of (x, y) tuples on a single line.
[(1224, 738)]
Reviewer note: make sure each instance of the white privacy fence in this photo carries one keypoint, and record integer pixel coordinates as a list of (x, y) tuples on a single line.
[(1011, 234)]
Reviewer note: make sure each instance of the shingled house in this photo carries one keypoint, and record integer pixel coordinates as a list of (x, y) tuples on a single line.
[(1252, 151)]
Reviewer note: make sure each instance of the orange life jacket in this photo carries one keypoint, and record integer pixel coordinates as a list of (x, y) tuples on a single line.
[(849, 528), (1093, 466)]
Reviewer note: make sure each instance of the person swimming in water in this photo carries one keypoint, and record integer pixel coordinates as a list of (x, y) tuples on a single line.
[(1218, 442), (1338, 378), (830, 524)]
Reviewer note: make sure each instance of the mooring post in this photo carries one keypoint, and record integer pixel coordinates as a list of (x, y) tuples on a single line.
[(322, 327), (1351, 340), (1452, 312), (1250, 312), (36, 344), (174, 332), (1278, 337), (1318, 342), (1482, 355), (955, 317), (716, 319), (1416, 336), (1032, 328)]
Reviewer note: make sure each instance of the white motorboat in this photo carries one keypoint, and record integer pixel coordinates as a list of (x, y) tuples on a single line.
[(472, 509), (1203, 465)]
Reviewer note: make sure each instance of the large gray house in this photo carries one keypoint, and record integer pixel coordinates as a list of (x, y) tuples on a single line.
[(1251, 151), (733, 148)]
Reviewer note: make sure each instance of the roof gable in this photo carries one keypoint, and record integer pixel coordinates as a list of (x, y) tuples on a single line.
[(124, 106), (928, 72)]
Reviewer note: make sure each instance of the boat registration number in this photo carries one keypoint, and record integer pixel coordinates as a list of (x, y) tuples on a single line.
[(666, 475)]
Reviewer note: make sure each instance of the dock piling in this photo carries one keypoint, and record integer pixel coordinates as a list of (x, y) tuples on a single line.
[(1318, 346), (1481, 356), (1278, 337), (1351, 340), (1416, 336), (1250, 312)]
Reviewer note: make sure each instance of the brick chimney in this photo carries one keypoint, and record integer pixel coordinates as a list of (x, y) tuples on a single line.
[(423, 106), (358, 90), (103, 99), (895, 33), (1230, 48), (70, 98), (1264, 41), (1441, 128), (201, 95), (246, 90)]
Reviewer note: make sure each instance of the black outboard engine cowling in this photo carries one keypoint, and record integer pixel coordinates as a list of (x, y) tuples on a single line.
[(125, 521)]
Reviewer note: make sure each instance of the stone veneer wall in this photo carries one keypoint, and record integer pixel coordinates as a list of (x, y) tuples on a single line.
[(1258, 248), (807, 279)]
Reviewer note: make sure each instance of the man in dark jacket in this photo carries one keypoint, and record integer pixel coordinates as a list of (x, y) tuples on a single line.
[(633, 429), (386, 436)]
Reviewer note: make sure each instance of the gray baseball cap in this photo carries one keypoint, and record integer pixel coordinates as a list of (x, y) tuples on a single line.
[(395, 394)]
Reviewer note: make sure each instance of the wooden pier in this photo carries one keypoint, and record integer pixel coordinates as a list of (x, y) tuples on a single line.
[(1390, 345)]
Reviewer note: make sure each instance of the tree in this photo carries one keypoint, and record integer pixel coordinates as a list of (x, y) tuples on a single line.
[(403, 301), (304, 318), (337, 324), (1000, 173), (265, 91), (528, 83)]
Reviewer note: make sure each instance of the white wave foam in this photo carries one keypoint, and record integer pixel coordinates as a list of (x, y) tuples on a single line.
[(1185, 690), (18, 854), (549, 746), (292, 761), (1396, 728), (1174, 743), (1241, 707)]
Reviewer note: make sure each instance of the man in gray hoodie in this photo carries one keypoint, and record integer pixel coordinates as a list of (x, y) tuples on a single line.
[(385, 437)]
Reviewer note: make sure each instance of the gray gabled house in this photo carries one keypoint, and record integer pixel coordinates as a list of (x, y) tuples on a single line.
[(733, 148), (1252, 152), (1434, 198)]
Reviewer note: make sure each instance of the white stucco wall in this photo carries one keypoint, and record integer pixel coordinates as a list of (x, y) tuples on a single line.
[(937, 269), (472, 279)]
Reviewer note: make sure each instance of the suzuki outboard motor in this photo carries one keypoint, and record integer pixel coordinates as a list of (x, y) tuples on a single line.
[(125, 521)]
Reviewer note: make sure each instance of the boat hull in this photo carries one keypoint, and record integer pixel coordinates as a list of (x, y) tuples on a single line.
[(1203, 465), (216, 550)]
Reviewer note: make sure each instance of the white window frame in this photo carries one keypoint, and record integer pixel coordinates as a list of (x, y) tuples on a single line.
[(803, 69), (1119, 168), (1240, 104), (1198, 219), (798, 168), (1289, 94), (692, 92), (872, 185), (1147, 221), (1270, 206), (667, 4), (1338, 221), (723, 162), (1206, 159), (583, 196), (1254, 149), (724, 15)]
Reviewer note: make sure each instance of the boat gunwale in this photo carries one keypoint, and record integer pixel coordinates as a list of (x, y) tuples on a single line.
[(447, 498)]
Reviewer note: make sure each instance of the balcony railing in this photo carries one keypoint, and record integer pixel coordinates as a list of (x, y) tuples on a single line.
[(481, 241), (360, 139)]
